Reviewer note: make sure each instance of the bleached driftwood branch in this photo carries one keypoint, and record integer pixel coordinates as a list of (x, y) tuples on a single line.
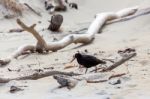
[(95, 26), (140, 12)]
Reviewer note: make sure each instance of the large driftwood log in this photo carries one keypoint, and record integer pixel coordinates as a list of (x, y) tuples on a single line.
[(94, 28)]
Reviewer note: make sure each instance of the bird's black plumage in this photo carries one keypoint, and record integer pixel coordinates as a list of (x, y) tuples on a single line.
[(87, 60)]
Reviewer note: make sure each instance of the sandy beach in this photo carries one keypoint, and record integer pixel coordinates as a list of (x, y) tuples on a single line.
[(127, 34)]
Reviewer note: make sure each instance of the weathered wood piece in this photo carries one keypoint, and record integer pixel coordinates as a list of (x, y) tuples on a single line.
[(55, 22)]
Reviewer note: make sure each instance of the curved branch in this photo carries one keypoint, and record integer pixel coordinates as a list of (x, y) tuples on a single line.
[(95, 26), (20, 51), (140, 12)]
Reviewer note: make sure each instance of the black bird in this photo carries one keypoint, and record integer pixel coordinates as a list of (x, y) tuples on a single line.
[(87, 61)]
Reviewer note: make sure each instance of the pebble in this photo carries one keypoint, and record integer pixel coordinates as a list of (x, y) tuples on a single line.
[(115, 81)]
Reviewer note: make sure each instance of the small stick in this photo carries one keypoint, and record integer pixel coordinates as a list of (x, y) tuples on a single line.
[(112, 76), (124, 59), (37, 13)]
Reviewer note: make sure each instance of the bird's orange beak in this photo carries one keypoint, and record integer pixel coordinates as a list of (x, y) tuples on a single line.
[(72, 59)]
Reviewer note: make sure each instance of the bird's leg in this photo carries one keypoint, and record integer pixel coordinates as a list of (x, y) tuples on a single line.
[(105, 65), (100, 67), (80, 66), (95, 69), (86, 70)]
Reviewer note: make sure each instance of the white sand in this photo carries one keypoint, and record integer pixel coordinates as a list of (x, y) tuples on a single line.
[(134, 33)]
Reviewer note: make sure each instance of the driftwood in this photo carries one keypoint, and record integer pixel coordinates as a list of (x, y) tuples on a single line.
[(104, 80), (121, 61), (118, 63), (38, 75), (55, 23), (37, 13), (71, 82), (69, 79), (104, 76), (140, 12), (85, 38), (15, 30), (66, 79)]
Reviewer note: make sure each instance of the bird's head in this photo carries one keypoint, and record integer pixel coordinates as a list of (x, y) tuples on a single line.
[(77, 55)]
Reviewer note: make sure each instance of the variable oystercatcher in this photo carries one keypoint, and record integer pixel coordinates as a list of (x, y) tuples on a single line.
[(87, 61)]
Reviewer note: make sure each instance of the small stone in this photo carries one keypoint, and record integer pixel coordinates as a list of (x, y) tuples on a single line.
[(102, 92), (86, 50), (125, 78), (56, 59), (115, 81), (39, 22), (55, 39), (38, 70), (14, 89), (95, 54), (9, 69), (65, 81), (118, 87)]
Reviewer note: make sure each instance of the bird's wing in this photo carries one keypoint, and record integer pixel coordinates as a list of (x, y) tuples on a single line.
[(89, 58)]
